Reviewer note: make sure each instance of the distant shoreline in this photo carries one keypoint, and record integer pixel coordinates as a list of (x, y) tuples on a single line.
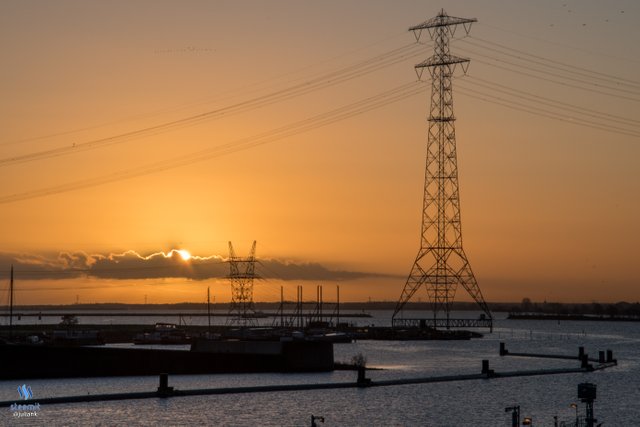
[(583, 317), (543, 310)]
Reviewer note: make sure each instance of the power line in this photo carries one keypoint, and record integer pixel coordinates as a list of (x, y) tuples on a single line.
[(529, 70), (382, 99), (556, 64), (552, 102), (323, 81), (543, 112), (232, 93), (563, 45), (550, 80)]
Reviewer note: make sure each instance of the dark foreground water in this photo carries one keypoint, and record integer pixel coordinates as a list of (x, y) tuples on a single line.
[(476, 403)]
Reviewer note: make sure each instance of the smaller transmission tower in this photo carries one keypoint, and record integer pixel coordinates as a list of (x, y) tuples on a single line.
[(241, 275)]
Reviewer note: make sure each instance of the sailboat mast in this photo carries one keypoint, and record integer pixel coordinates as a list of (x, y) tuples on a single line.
[(281, 306), (11, 304), (209, 308), (338, 306)]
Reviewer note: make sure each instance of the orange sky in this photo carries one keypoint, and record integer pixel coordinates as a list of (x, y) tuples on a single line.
[(549, 195)]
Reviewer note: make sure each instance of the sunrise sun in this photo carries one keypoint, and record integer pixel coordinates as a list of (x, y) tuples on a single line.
[(184, 254)]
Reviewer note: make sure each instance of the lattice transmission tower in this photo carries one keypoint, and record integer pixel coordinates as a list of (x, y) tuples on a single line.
[(241, 275), (441, 264)]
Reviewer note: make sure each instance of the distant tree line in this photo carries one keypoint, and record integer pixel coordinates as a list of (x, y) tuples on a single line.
[(618, 309)]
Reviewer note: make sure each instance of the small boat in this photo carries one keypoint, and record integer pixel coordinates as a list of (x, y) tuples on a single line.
[(334, 337), (164, 334)]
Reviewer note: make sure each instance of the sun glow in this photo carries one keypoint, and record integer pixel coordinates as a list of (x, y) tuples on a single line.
[(184, 254)]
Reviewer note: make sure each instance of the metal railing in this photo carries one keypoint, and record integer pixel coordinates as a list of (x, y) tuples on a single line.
[(443, 323)]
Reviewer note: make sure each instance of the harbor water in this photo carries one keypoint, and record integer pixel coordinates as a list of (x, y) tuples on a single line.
[(456, 403)]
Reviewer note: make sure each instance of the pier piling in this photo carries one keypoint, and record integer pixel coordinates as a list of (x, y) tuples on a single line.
[(485, 368), (503, 349), (363, 381), (584, 362), (163, 389)]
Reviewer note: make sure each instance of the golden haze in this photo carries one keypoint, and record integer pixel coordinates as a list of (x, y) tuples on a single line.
[(550, 208)]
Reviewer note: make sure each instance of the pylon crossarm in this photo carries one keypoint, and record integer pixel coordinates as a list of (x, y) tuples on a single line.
[(444, 20), (436, 61)]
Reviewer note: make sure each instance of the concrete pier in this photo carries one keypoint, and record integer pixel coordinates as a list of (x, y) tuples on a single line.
[(165, 391), (582, 356)]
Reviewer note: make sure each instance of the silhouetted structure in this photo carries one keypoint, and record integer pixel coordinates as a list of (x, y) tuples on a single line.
[(441, 264), (241, 275), (11, 304), (587, 394)]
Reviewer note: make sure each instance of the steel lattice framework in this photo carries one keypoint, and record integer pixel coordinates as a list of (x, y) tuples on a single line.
[(441, 264), (241, 275)]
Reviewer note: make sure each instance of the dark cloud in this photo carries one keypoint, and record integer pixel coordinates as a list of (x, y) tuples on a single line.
[(30, 266), (275, 269), (77, 260), (131, 265)]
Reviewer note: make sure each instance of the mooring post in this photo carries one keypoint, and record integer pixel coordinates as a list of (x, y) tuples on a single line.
[(163, 389), (610, 356), (503, 349), (584, 362), (601, 357), (580, 352), (485, 368), (363, 381)]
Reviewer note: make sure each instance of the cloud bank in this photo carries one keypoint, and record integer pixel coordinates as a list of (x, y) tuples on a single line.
[(174, 264)]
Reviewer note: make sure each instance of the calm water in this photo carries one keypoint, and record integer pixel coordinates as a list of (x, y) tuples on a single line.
[(478, 403)]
